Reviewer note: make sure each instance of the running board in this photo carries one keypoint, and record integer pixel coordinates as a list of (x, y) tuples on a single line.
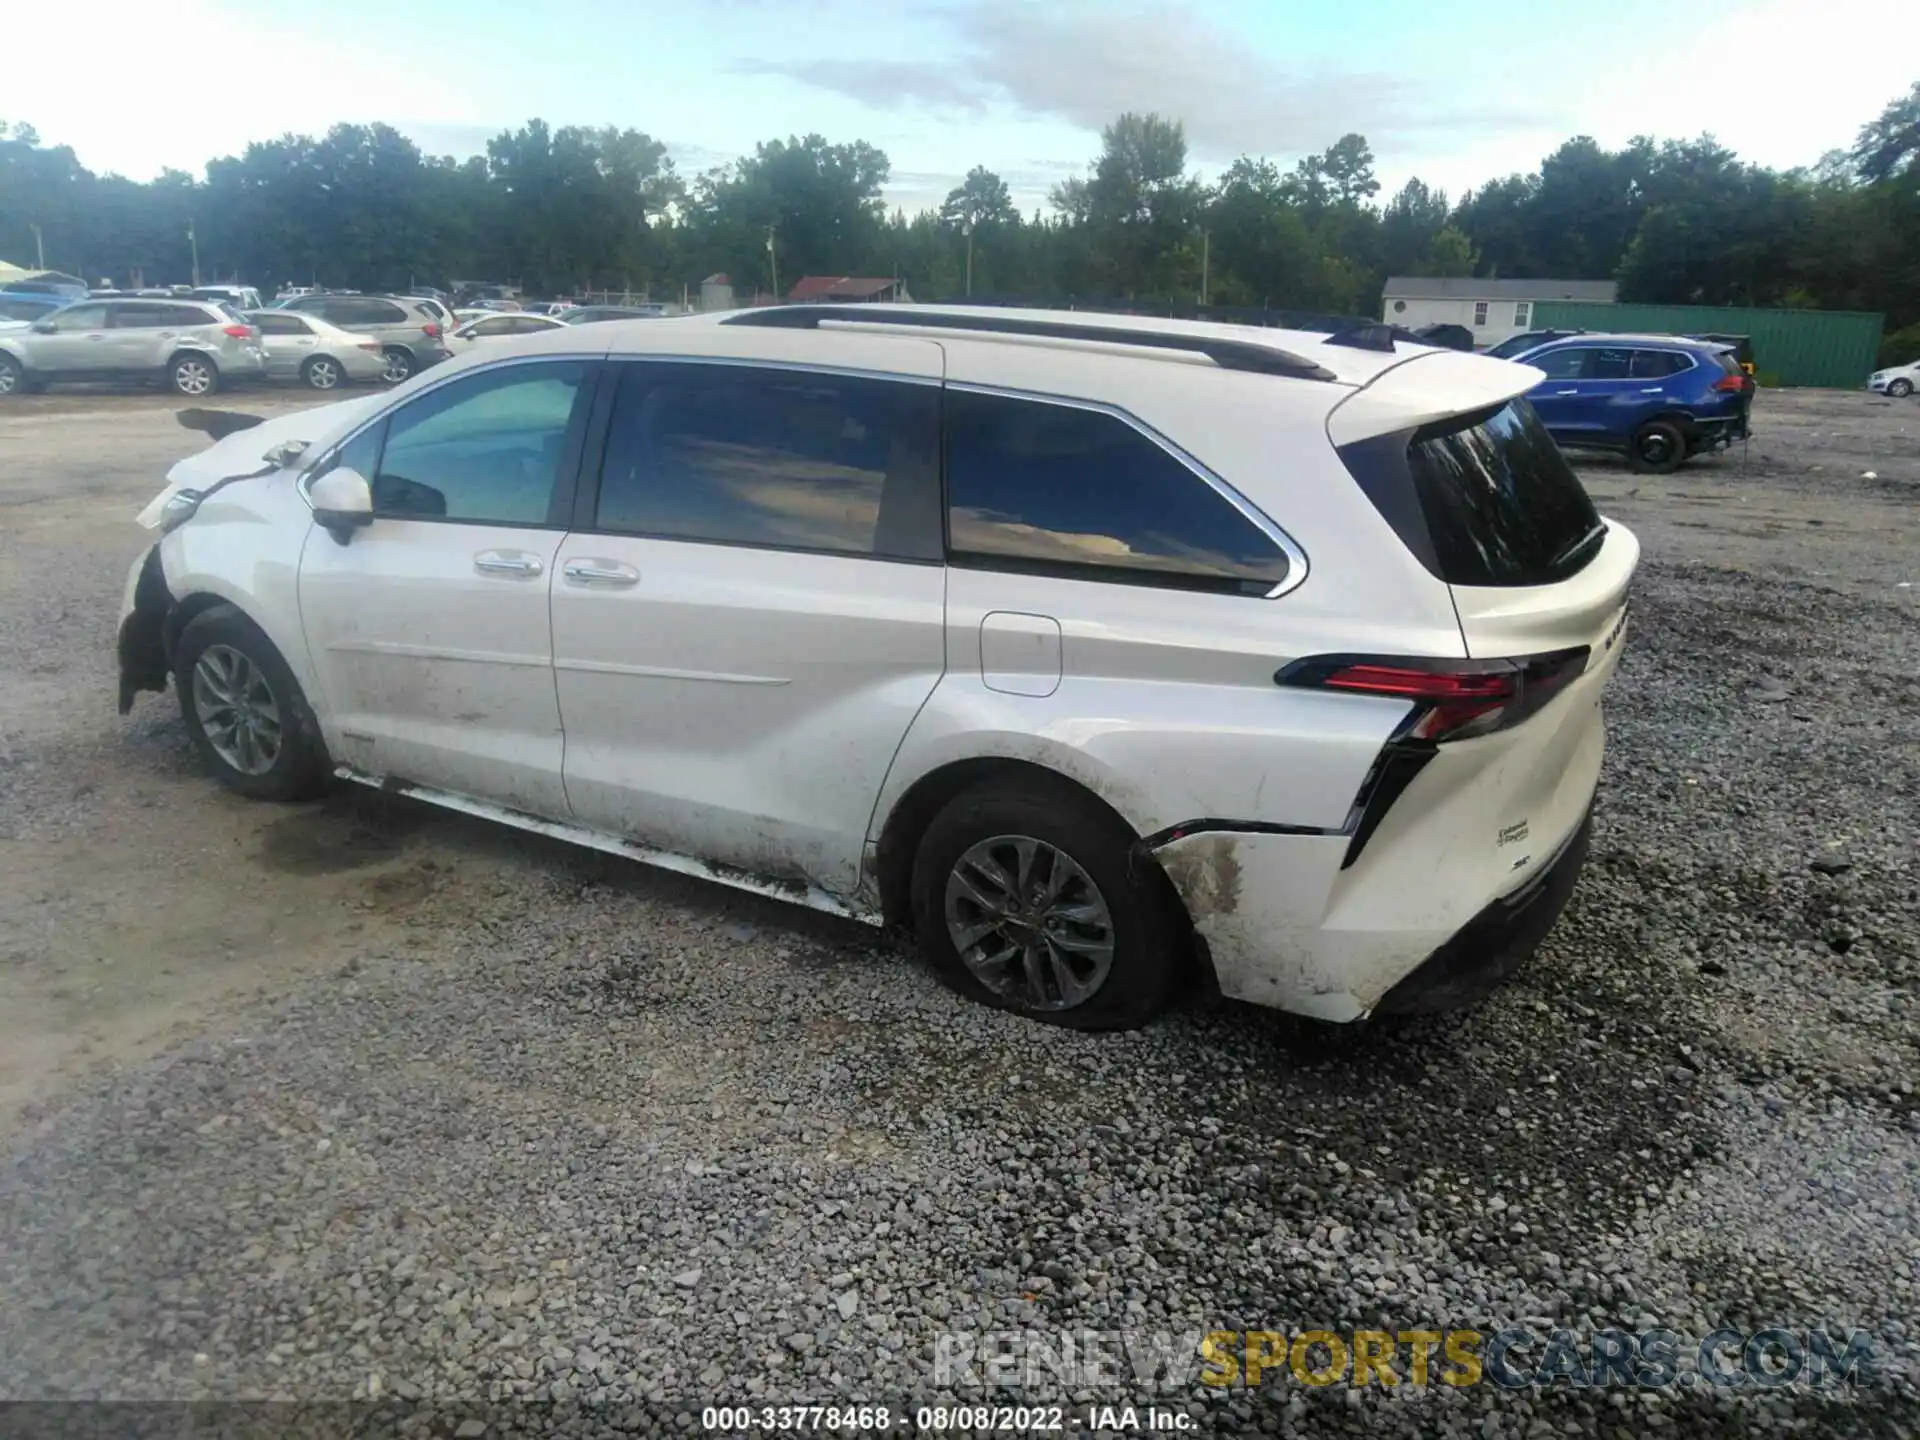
[(795, 892)]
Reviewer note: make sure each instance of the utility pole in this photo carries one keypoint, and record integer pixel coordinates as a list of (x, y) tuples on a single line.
[(967, 230), (193, 241), (39, 247), (773, 264)]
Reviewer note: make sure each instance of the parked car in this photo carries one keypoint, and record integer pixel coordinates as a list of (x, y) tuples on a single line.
[(63, 287), (438, 310), (590, 314), (308, 349), (1898, 381), (491, 327), (1008, 635), (241, 297), (412, 336), (293, 292), (1447, 337), (1515, 346), (470, 312), (28, 307), (194, 346), (1657, 399)]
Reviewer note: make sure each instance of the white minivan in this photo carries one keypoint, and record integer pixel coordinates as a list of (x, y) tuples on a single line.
[(1114, 656)]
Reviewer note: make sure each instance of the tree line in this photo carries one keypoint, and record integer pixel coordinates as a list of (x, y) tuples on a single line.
[(574, 208)]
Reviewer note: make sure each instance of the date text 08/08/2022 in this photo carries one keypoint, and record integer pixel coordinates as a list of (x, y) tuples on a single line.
[(943, 1419)]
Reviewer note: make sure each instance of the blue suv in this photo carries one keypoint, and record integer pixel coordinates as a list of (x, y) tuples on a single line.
[(1657, 399)]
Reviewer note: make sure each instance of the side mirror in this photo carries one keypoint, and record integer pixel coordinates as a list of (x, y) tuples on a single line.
[(342, 503)]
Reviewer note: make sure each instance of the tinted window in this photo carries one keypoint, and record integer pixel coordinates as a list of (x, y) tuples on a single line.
[(487, 448), (791, 460), (1502, 505), (272, 324), (80, 317), (1608, 363), (1561, 364), (1046, 487), (501, 326), (160, 317), (1656, 364)]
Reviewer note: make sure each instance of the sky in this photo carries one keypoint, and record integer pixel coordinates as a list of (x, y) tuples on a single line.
[(1456, 93)]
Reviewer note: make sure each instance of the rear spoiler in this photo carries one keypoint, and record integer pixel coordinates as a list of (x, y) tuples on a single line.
[(1428, 385)]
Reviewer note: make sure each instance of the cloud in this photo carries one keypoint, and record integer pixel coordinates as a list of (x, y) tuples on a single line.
[(1085, 63)]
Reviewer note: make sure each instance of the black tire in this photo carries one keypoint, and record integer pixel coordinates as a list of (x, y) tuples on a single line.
[(13, 377), (1147, 929), (322, 372), (1900, 389), (193, 375), (299, 767), (399, 364), (1658, 447)]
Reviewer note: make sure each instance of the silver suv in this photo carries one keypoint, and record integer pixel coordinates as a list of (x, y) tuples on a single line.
[(411, 331), (195, 346)]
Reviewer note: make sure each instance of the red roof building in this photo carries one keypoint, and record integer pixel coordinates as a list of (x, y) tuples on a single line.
[(832, 289)]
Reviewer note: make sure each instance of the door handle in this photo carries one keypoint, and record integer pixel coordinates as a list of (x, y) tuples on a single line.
[(1651, 390), (507, 562), (610, 573), (1566, 392), (96, 338)]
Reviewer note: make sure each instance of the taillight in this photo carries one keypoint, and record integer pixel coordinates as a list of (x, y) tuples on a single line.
[(1452, 699), (433, 331), (239, 332), (1732, 383)]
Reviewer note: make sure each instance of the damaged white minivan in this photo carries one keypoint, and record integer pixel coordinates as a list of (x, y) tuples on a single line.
[(1114, 656)]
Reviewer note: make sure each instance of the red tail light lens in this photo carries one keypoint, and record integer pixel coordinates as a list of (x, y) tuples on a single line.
[(1453, 699), (1732, 382), (239, 332), (433, 331)]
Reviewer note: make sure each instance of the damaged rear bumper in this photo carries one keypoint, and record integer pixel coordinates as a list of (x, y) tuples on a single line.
[(142, 643)]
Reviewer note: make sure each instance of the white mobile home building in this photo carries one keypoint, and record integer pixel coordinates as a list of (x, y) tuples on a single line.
[(1492, 309)]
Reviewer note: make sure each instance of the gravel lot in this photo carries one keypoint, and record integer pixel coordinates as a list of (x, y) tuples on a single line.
[(359, 1100)]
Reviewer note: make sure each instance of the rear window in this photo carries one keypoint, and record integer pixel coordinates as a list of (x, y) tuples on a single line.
[(1729, 362), (1482, 499)]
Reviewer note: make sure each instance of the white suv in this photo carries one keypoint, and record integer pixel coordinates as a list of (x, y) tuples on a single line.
[(1115, 656)]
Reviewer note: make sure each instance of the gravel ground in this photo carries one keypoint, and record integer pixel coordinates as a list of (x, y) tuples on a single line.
[(362, 1103)]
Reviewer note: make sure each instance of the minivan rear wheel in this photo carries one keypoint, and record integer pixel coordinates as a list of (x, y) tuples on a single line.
[(1028, 898), (244, 710)]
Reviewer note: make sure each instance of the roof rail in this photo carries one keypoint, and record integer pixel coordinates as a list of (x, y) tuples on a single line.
[(1227, 354), (1365, 337)]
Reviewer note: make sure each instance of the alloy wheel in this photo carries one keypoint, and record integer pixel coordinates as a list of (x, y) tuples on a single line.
[(322, 374), (1029, 923), (237, 710), (399, 367), (1656, 447), (192, 377), (9, 378)]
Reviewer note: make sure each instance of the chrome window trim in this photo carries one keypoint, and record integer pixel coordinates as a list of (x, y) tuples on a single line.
[(1297, 562)]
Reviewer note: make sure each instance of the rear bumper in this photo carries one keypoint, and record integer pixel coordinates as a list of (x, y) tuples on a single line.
[(1494, 942)]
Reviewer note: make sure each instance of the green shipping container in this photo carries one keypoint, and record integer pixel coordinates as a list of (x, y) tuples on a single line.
[(1790, 347)]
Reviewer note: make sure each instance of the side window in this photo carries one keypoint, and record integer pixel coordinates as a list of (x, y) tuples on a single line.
[(1522, 310), (381, 312), (1568, 364), (277, 324), (1610, 364), (744, 455), (1479, 312), (79, 317), (1052, 488), (1657, 364), (361, 453), (486, 449), (502, 326)]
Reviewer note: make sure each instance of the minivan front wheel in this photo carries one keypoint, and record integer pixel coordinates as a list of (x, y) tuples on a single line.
[(244, 710), (193, 375), (1659, 446), (1027, 897)]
